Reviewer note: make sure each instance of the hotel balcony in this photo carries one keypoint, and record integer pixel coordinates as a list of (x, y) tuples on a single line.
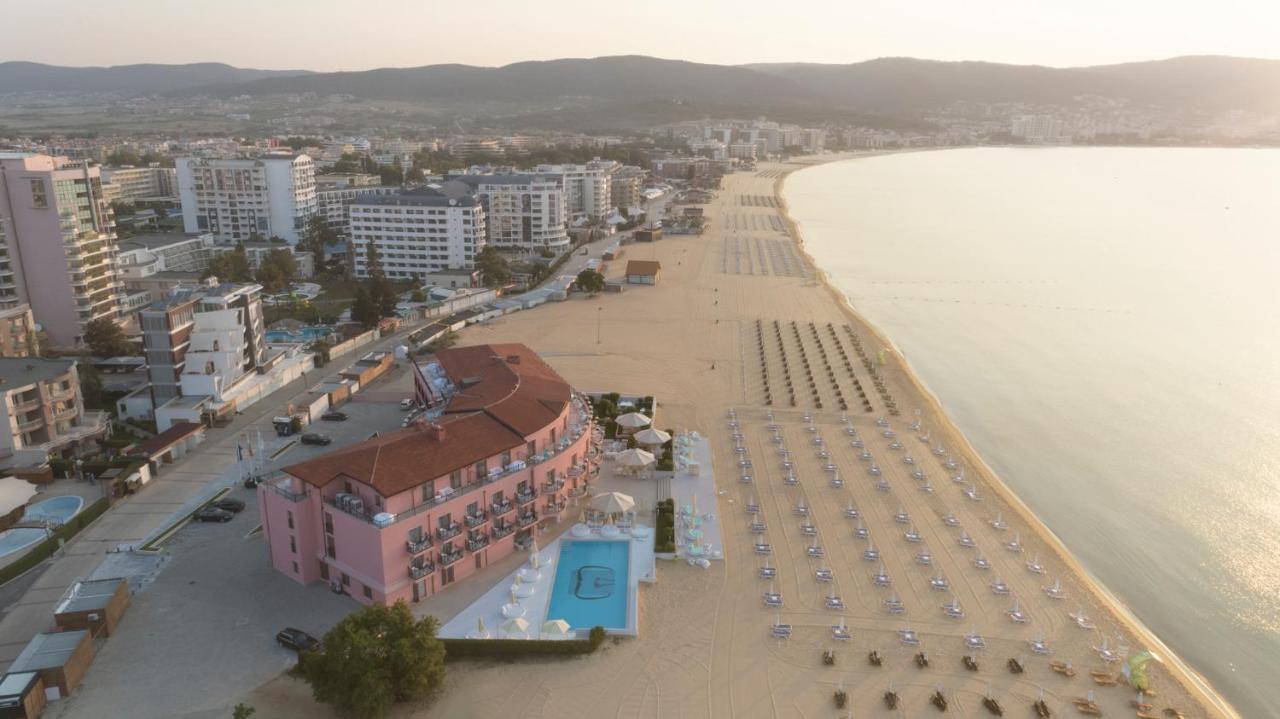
[(525, 520), (502, 530), (477, 543), (553, 486), (475, 520), (553, 507), (449, 532), (419, 546), (418, 571), (523, 498), (449, 558), (498, 509)]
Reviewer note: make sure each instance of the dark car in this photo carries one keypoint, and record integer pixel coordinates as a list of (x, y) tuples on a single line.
[(229, 504), (316, 438), (297, 640), (213, 514), (334, 416)]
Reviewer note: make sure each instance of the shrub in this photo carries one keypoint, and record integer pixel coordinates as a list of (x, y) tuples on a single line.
[(509, 648), (596, 637)]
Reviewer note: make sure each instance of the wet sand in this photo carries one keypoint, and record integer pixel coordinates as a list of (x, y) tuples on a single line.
[(695, 342)]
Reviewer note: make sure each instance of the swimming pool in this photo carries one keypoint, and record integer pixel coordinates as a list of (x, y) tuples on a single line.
[(57, 510), (591, 585), (304, 334)]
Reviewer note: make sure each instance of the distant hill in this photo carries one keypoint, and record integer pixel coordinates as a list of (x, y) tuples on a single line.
[(888, 86), (125, 79)]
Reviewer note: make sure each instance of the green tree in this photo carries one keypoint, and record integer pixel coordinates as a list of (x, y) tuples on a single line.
[(242, 711), (494, 268), (90, 385), (315, 236), (365, 310), (277, 270), (374, 658), (391, 175), (418, 295), (105, 339), (590, 281), (230, 266)]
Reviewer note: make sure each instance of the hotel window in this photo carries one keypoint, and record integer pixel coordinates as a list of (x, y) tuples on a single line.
[(455, 478), (346, 580), (553, 435), (506, 458), (532, 447), (39, 195), (293, 545), (482, 469), (368, 593), (428, 490), (295, 567), (290, 517)]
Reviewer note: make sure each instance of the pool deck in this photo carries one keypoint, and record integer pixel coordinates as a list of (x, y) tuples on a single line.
[(489, 605), (688, 490)]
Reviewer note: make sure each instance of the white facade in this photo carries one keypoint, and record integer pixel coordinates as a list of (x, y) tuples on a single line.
[(522, 212), (416, 233), (142, 183), (334, 204), (586, 187), (272, 196)]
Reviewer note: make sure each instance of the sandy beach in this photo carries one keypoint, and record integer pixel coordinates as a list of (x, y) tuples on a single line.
[(737, 312)]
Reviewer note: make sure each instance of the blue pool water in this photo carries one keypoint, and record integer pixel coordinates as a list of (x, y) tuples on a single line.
[(304, 334), (591, 585), (57, 510)]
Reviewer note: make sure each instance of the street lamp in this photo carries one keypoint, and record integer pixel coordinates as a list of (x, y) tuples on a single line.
[(598, 311)]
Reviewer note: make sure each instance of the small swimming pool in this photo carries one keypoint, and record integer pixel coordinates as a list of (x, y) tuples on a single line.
[(592, 579), (303, 334), (57, 510)]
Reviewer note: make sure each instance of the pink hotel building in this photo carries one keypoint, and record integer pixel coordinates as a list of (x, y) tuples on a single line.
[(406, 514)]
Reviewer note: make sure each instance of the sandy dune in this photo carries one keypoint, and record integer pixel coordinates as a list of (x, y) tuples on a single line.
[(694, 342)]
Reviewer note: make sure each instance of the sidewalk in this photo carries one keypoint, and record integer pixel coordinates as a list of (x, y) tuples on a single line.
[(178, 489)]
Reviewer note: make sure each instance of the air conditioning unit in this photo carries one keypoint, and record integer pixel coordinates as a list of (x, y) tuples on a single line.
[(357, 505)]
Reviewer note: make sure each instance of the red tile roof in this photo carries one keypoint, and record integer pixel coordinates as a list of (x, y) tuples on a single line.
[(166, 439), (504, 393)]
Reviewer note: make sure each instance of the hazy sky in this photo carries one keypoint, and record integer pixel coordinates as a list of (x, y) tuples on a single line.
[(345, 35)]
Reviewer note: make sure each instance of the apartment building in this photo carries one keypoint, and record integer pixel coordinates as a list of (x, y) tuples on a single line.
[(339, 180), (408, 513), (18, 332), (202, 341), (9, 280), (334, 203), (61, 240), (523, 212), (586, 187), (417, 232), (234, 199), (626, 187), (142, 184), (42, 413)]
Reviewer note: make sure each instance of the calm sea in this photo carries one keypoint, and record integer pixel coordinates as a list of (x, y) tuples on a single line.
[(1104, 325)]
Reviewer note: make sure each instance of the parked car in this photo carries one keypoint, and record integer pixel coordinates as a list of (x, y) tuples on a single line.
[(316, 438), (406, 404), (334, 416), (229, 504), (214, 514), (297, 640)]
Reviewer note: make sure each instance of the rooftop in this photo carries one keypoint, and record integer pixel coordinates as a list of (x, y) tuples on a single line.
[(88, 595), (423, 196), (22, 371), (156, 240), (47, 651), (643, 267), (505, 392), (166, 439)]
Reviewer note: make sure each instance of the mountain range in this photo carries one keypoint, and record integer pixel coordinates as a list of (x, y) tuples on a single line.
[(901, 86)]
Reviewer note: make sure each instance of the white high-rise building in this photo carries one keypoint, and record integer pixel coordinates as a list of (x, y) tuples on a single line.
[(522, 212), (586, 187), (232, 199), (142, 183), (417, 232)]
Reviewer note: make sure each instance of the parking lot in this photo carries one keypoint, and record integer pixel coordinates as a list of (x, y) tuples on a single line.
[(201, 632)]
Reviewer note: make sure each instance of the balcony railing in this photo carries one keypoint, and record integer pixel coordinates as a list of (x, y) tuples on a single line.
[(525, 520), (553, 507), (499, 509), (503, 530), (418, 571), (526, 497), (475, 520), (448, 558), (477, 543), (448, 532), (287, 494), (419, 546), (552, 486)]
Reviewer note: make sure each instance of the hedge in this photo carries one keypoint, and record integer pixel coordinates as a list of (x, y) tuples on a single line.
[(665, 537), (44, 549), (499, 648)]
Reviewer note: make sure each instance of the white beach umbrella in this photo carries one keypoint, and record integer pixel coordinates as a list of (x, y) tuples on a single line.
[(518, 624), (480, 632), (635, 458), (652, 437), (632, 420), (614, 502), (555, 627)]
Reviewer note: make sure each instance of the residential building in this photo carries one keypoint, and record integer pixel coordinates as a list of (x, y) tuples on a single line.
[(406, 514), (18, 332), (586, 187), (42, 413), (814, 140), (202, 340), (142, 184), (234, 199), (62, 242), (743, 151), (417, 232), (522, 211), (156, 263), (339, 180), (626, 187), (9, 287), (463, 146), (334, 204), (1040, 128)]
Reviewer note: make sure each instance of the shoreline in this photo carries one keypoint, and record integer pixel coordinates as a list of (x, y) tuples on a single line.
[(1190, 679)]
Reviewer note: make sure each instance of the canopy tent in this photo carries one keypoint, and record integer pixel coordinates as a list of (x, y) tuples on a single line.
[(634, 458), (651, 437), (632, 420), (614, 503)]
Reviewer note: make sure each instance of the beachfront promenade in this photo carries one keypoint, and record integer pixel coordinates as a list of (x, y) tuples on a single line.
[(695, 341)]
